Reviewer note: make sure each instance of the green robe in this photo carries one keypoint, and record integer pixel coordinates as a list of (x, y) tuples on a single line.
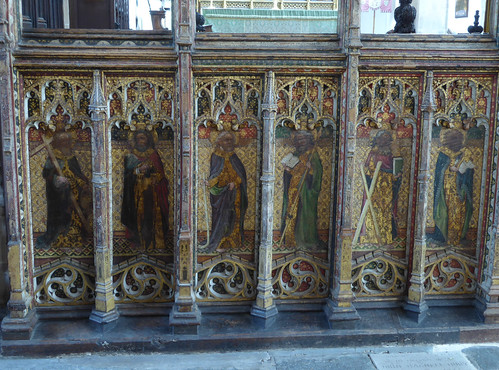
[(305, 221)]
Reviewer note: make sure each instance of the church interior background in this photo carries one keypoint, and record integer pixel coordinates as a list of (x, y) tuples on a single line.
[(283, 159)]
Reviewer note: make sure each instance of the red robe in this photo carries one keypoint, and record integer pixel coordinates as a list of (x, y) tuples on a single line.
[(145, 200)]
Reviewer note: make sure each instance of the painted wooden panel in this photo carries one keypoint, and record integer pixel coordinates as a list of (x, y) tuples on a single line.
[(143, 132)]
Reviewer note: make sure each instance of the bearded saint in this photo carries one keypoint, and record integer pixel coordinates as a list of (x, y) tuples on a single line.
[(145, 194)]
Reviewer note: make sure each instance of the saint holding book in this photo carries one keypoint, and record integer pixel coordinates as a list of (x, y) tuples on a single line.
[(383, 174)]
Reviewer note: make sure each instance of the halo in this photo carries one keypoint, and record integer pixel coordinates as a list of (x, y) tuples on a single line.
[(146, 128), (214, 135), (50, 130), (444, 133), (373, 134), (310, 133)]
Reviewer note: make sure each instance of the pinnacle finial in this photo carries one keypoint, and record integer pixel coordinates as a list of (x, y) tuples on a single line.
[(269, 100), (428, 104), (97, 101)]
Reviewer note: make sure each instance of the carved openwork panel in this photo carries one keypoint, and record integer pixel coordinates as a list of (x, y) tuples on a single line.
[(143, 280), (450, 273), (378, 274), (231, 279), (57, 158), (227, 169), (143, 140), (460, 163), (64, 282), (305, 164), (385, 164), (299, 276)]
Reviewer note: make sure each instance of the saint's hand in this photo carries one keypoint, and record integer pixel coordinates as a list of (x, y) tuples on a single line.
[(231, 185), (61, 182), (453, 168), (144, 167)]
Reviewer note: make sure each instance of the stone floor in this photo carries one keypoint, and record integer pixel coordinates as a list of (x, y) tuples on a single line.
[(440, 357), (240, 331)]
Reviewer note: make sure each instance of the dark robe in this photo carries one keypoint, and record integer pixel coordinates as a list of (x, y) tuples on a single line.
[(59, 205), (223, 201), (145, 200)]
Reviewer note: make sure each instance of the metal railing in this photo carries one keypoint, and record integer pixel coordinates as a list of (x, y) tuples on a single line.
[(269, 4)]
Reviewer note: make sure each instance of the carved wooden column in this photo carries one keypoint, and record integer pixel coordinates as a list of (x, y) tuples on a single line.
[(4, 282), (185, 316), (339, 306), (21, 318), (488, 290), (416, 306), (488, 299), (491, 20), (105, 309), (264, 306)]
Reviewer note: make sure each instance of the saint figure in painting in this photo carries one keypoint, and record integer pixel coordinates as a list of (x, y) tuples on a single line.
[(453, 194), (383, 177), (481, 103), (364, 103), (302, 185), (145, 194), (68, 195), (227, 185)]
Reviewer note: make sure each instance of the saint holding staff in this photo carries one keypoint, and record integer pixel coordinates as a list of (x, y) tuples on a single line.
[(69, 203), (381, 177)]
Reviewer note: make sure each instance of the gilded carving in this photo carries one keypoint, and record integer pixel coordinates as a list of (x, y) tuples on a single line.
[(185, 261), (147, 280), (66, 283), (302, 276), (378, 274), (229, 279), (450, 275)]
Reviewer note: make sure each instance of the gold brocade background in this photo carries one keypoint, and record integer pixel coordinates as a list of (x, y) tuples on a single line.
[(325, 150), (82, 151), (248, 154), (50, 102), (119, 151), (404, 150), (151, 99), (476, 146), (464, 102)]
